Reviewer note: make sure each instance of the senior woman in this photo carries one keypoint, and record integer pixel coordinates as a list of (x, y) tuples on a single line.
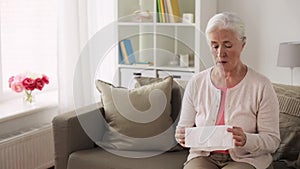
[(244, 98)]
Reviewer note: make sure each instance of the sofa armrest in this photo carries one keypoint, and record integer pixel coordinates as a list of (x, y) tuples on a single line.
[(70, 136)]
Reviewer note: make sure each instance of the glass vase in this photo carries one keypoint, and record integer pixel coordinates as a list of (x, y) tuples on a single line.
[(28, 98)]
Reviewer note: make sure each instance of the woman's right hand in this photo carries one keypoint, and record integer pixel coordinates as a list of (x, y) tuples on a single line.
[(180, 135)]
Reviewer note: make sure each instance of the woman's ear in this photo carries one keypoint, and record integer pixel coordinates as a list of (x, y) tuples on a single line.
[(244, 41)]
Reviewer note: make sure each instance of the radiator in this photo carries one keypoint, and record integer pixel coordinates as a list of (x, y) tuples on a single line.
[(30, 150)]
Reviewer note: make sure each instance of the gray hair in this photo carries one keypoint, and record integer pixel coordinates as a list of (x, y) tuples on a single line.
[(226, 20)]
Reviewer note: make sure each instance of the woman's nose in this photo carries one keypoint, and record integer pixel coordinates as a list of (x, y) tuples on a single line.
[(221, 52)]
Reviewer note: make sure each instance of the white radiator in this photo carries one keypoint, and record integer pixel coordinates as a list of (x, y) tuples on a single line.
[(30, 150)]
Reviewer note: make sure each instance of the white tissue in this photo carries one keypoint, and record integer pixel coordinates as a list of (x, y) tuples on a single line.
[(209, 138)]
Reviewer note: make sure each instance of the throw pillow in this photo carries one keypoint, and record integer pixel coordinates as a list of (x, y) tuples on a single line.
[(176, 98), (177, 92), (138, 119), (289, 107)]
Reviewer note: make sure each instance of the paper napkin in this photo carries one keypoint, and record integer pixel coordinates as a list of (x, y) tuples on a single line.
[(209, 138)]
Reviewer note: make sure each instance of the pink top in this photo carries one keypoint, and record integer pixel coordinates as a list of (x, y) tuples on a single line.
[(220, 118)]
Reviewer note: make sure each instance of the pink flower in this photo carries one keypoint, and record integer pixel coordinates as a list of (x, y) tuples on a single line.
[(29, 84), (45, 79), (17, 87), (10, 80), (19, 78), (39, 83), (15, 83)]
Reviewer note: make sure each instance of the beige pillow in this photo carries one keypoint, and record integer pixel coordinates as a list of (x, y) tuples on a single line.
[(178, 87), (138, 118)]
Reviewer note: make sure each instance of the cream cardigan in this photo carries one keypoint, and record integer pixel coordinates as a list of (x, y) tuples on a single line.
[(252, 104)]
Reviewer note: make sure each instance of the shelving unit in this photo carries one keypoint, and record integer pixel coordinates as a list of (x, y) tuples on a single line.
[(162, 44)]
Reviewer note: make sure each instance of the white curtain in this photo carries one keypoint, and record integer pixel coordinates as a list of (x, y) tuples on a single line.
[(79, 22)]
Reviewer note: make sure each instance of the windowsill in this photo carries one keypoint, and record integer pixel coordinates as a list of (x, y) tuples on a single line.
[(14, 108)]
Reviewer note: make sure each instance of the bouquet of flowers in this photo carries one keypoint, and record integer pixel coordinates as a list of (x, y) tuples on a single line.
[(27, 83)]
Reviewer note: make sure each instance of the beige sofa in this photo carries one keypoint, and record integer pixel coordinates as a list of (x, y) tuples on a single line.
[(74, 149)]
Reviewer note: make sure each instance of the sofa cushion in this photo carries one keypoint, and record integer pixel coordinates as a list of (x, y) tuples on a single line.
[(139, 118), (289, 117), (97, 158), (178, 87)]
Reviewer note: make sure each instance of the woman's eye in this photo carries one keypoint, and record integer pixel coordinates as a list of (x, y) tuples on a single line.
[(228, 45), (215, 46)]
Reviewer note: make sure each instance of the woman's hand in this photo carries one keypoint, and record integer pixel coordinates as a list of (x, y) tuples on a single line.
[(238, 135), (180, 135)]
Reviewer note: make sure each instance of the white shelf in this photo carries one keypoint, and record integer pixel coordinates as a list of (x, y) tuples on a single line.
[(136, 66), (135, 23), (176, 24), (179, 69)]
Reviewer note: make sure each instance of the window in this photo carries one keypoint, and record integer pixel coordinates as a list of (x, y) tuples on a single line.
[(28, 41)]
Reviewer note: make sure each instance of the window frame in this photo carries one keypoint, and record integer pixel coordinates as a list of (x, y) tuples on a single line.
[(6, 95)]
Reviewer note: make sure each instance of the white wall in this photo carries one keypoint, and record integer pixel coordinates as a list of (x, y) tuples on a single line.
[(268, 22)]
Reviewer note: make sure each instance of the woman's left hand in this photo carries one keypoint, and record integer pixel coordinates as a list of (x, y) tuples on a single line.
[(238, 135)]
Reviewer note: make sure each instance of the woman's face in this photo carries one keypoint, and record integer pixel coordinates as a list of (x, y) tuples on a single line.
[(226, 48)]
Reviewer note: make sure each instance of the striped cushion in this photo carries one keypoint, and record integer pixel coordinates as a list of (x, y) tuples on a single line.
[(289, 99)]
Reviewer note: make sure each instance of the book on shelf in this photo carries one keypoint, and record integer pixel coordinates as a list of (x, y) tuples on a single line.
[(126, 52), (159, 17), (129, 50), (166, 12), (121, 57), (123, 54), (173, 11), (161, 11)]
